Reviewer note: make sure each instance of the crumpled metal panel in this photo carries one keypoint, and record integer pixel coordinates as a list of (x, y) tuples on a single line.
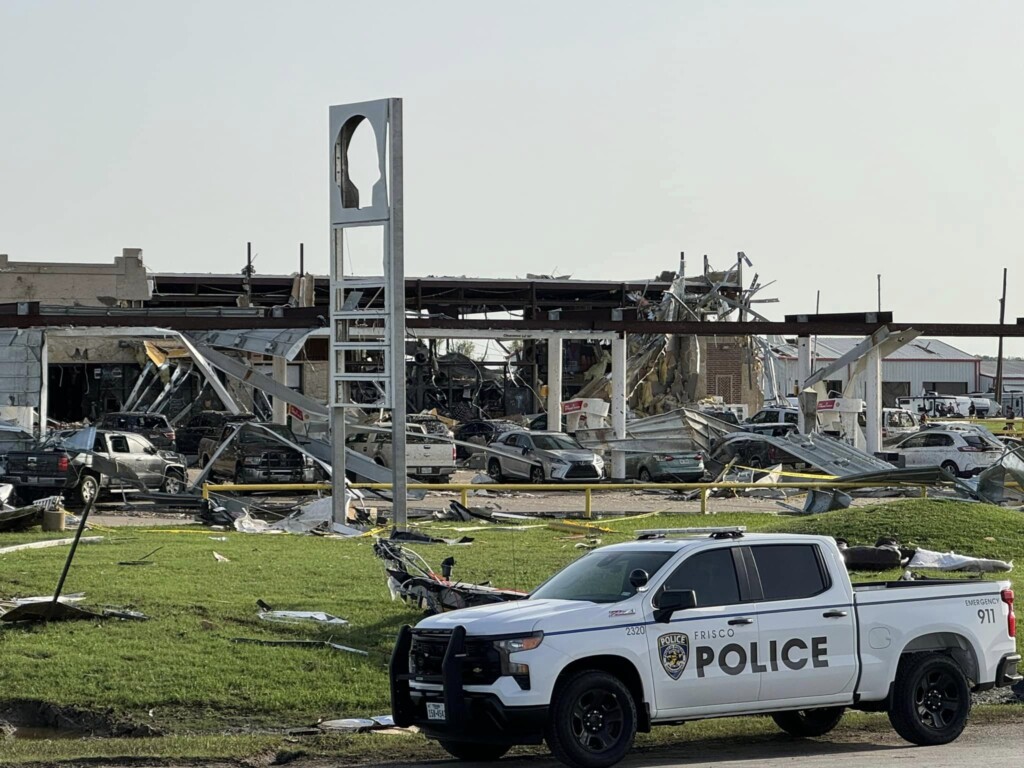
[(1003, 482), (21, 353), (828, 454)]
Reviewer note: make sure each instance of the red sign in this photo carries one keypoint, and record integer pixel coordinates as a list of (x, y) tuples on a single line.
[(572, 406), (826, 405), (296, 413)]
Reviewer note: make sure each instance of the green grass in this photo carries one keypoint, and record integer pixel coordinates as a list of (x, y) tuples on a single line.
[(181, 673)]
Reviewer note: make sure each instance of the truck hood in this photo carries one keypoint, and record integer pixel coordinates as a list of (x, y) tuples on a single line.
[(517, 616)]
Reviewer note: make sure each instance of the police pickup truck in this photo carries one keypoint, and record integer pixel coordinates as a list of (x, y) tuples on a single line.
[(685, 625)]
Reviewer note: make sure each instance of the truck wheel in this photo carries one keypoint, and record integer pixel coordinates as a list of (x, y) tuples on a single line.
[(477, 753), (593, 720), (87, 490), (807, 723), (174, 483), (494, 470), (931, 699)]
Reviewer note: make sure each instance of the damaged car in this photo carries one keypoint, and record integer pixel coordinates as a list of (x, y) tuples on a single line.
[(663, 467), (245, 453), (542, 456), (83, 464)]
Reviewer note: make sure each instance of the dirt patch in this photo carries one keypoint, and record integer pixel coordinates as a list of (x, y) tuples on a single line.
[(37, 716)]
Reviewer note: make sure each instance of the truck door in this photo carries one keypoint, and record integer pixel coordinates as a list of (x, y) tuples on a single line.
[(807, 634), (701, 658)]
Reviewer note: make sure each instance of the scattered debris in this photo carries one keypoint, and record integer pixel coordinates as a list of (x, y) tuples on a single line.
[(421, 538), (301, 643), (220, 558), (298, 617), (951, 561), (589, 544), (414, 581), (144, 560), (47, 543)]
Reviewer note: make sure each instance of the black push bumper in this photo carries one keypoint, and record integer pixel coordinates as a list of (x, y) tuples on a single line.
[(469, 716)]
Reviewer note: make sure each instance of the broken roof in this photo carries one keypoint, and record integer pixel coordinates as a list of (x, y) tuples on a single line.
[(920, 349)]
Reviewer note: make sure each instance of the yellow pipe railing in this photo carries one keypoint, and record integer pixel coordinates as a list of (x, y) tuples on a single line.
[(587, 488)]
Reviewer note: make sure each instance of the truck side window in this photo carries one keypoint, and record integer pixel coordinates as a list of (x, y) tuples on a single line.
[(790, 571), (118, 444), (711, 575)]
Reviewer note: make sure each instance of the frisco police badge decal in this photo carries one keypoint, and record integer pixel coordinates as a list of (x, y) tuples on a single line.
[(674, 651)]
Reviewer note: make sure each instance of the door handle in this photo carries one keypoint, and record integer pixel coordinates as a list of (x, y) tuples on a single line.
[(835, 614), (740, 621)]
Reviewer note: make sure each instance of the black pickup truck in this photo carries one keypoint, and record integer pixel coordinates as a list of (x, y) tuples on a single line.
[(254, 456), (83, 463)]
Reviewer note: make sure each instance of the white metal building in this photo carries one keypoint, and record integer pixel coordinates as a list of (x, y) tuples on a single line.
[(922, 365), (1013, 375)]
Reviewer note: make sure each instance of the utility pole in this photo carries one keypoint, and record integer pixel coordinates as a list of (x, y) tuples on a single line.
[(999, 358), (879, 293)]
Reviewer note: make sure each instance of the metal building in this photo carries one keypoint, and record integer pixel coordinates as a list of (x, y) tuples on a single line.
[(922, 365)]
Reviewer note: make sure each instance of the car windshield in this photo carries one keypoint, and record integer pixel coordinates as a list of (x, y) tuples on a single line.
[(556, 443), (256, 433), (600, 577), (153, 422)]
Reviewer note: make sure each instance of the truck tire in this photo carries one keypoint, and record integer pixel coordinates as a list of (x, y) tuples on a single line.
[(593, 720), (494, 470), (174, 483), (87, 490), (808, 723), (931, 699), (473, 752)]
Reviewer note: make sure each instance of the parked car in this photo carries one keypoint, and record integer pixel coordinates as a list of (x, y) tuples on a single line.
[(775, 414), (481, 432), (896, 424), (426, 457), (201, 425), (676, 467), (539, 423), (748, 451), (153, 426), (83, 463), (962, 453), (254, 456), (542, 456)]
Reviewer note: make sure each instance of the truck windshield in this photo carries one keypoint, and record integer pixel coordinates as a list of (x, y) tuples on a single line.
[(600, 577)]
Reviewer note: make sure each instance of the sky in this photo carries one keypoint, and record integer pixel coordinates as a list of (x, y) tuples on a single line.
[(829, 141)]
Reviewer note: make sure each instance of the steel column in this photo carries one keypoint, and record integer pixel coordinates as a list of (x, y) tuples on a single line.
[(803, 374), (555, 383), (873, 400), (618, 404), (280, 371)]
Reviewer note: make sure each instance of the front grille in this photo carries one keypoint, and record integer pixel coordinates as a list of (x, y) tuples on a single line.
[(481, 665), (281, 461), (582, 469)]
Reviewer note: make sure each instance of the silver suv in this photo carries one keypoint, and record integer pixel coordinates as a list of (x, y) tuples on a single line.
[(542, 456)]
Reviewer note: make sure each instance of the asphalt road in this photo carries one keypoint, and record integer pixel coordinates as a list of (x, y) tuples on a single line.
[(980, 745)]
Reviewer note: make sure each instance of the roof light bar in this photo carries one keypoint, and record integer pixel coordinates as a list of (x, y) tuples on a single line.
[(731, 531)]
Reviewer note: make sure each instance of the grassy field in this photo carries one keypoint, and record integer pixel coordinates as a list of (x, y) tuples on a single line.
[(181, 672)]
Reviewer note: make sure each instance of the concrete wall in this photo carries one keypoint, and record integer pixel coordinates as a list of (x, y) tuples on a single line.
[(124, 283)]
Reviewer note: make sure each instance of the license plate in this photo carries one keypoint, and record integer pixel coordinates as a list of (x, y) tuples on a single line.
[(427, 470), (435, 711)]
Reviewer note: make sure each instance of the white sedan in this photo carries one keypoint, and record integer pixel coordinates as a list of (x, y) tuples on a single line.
[(962, 453)]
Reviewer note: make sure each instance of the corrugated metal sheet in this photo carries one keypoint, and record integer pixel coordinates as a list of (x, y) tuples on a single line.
[(20, 367)]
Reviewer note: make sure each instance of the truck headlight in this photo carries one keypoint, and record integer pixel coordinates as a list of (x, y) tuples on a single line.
[(510, 645), (251, 461)]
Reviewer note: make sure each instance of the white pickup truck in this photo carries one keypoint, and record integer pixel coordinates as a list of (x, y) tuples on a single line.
[(675, 627), (428, 458)]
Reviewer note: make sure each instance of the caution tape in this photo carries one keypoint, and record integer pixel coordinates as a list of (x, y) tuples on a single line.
[(768, 470)]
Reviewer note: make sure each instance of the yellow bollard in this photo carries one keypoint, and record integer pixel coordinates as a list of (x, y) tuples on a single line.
[(586, 504), (465, 497), (924, 491), (704, 500)]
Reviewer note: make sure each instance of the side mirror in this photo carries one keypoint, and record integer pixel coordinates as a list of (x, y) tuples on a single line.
[(638, 579), (151, 450), (526, 449), (672, 600)]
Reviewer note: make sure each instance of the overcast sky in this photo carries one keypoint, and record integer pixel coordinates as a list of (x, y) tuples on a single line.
[(829, 141)]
